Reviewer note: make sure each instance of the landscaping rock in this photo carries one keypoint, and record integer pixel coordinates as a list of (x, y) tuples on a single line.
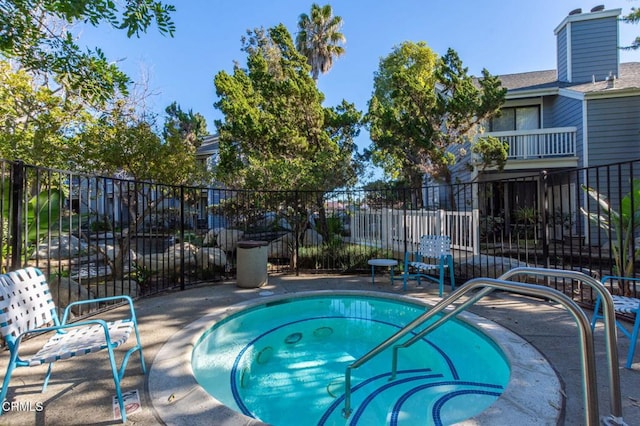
[(209, 258), (104, 235), (227, 239), (91, 271), (281, 248), (65, 247), (271, 221), (171, 259), (210, 238), (153, 262), (111, 251), (177, 252), (189, 250), (167, 262), (65, 291)]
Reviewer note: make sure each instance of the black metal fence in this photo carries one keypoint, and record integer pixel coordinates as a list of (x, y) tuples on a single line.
[(102, 235)]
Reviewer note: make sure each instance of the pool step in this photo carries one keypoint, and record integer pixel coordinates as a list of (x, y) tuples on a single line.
[(410, 399), (365, 390)]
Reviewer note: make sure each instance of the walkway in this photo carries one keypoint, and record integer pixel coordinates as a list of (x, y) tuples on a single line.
[(80, 392)]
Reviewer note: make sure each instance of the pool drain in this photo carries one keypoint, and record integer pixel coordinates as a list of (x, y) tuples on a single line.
[(264, 355), (293, 338)]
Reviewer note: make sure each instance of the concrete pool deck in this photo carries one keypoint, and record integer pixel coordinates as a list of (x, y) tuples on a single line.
[(80, 391)]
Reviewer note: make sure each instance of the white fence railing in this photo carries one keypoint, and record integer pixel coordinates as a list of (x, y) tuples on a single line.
[(539, 143), (397, 229)]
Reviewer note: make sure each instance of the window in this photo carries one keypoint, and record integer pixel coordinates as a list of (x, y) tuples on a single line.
[(519, 118)]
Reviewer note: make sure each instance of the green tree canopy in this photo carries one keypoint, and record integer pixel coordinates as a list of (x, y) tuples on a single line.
[(276, 133), (124, 141), (423, 106), (36, 34), (382, 193), (43, 128), (36, 124), (633, 17), (319, 38), (188, 126)]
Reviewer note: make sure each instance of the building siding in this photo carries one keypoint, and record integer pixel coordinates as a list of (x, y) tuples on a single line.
[(614, 130), (459, 173), (561, 50), (460, 169), (594, 49), (560, 111)]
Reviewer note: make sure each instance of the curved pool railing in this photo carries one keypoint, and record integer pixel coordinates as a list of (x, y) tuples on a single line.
[(488, 285), (609, 317)]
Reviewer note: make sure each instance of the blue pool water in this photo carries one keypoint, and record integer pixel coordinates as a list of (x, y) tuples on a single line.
[(284, 363)]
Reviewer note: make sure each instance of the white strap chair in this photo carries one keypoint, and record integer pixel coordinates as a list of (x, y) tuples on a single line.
[(26, 307), (622, 305), (434, 254)]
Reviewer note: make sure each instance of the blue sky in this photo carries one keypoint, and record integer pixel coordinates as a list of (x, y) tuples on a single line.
[(500, 35)]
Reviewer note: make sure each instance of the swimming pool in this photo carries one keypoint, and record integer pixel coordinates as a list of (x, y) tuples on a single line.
[(265, 361), (529, 393)]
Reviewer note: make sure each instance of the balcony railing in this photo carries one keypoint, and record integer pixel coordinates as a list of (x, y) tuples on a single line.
[(539, 143)]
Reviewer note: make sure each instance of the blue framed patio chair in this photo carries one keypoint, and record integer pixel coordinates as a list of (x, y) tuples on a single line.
[(434, 254), (623, 305), (27, 307)]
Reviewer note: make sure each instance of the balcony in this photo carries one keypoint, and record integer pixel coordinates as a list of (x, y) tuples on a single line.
[(557, 143)]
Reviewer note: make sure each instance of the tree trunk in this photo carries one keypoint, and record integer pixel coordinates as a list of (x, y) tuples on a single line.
[(321, 225), (416, 191)]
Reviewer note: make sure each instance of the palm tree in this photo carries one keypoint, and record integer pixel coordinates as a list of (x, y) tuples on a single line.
[(319, 38)]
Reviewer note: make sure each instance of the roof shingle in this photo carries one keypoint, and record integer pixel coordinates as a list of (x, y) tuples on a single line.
[(629, 78)]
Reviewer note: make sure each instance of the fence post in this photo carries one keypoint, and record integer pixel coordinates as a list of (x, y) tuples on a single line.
[(385, 226), (475, 231), (182, 246), (544, 204), (17, 205), (297, 239), (405, 235)]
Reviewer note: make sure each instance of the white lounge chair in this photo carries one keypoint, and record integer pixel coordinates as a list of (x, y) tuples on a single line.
[(26, 307), (434, 254)]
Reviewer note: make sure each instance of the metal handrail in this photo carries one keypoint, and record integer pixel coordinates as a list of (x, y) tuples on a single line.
[(609, 318), (486, 286), (418, 336)]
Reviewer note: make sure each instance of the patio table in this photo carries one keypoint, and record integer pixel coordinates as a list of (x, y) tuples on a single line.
[(390, 263)]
